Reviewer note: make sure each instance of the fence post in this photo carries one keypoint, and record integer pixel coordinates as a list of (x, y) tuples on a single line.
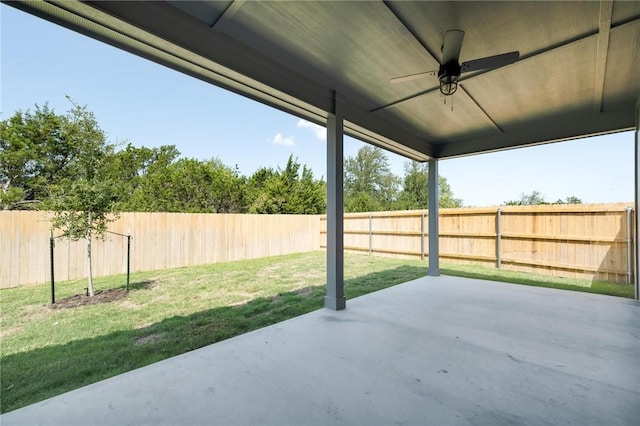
[(53, 285), (128, 259), (499, 238), (422, 235), (629, 247), (370, 234)]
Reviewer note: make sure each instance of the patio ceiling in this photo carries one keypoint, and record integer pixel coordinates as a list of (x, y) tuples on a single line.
[(578, 73)]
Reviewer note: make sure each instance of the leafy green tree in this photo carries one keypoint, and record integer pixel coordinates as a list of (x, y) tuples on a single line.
[(83, 202), (363, 202), (286, 191), (128, 166), (144, 174), (445, 198), (415, 190), (310, 194), (368, 181), (190, 185), (537, 198), (52, 161), (534, 198), (572, 199), (35, 152), (229, 188)]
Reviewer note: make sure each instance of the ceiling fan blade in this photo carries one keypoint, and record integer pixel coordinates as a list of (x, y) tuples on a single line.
[(489, 62), (410, 77), (452, 46)]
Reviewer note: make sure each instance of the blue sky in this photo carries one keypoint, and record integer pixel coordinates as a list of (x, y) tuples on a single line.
[(146, 104)]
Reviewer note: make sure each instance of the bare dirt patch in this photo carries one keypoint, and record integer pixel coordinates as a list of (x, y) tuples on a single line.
[(33, 312), (130, 305), (4, 332), (304, 291), (101, 296), (151, 338)]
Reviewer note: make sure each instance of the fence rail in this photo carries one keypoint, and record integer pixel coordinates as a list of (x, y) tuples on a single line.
[(592, 241), (159, 241)]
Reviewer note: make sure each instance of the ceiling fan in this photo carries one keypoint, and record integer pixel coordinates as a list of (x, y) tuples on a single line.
[(450, 68)]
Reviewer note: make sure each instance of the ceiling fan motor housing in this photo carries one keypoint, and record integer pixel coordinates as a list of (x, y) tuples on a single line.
[(448, 75)]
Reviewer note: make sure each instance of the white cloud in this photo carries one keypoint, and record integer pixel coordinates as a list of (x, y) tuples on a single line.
[(319, 131), (278, 139)]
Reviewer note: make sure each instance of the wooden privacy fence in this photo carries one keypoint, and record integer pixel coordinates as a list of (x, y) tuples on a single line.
[(580, 241), (159, 241)]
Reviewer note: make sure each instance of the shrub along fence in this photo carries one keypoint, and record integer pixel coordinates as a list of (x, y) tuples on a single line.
[(592, 241), (159, 241)]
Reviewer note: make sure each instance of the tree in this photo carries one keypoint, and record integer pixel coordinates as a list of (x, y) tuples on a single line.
[(571, 199), (286, 191), (129, 166), (368, 181), (190, 185), (536, 198), (415, 189), (228, 190), (35, 152), (446, 199), (58, 161), (83, 203)]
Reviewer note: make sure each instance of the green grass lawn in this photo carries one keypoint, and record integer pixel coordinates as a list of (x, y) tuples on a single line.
[(45, 352)]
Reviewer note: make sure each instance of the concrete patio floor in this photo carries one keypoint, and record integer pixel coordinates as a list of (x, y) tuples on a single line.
[(434, 351)]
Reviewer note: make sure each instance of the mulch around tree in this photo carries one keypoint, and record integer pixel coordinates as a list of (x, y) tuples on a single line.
[(101, 296)]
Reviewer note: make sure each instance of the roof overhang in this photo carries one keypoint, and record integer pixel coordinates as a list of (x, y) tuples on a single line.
[(578, 73)]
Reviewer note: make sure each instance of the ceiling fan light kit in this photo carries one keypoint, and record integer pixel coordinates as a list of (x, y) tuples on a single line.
[(448, 75)]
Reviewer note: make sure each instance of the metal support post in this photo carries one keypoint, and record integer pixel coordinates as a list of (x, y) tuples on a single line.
[(499, 238), (422, 235), (629, 241), (51, 258), (636, 254), (434, 243)]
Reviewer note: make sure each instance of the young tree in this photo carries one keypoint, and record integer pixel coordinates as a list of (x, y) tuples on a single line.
[(83, 204)]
